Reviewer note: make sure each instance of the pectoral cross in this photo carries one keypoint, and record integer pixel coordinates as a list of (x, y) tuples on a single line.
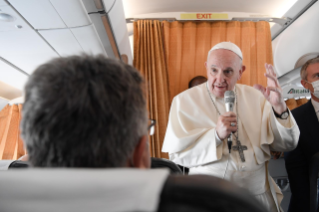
[(240, 149)]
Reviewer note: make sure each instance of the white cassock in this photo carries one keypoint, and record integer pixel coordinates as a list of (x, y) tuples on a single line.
[(191, 139)]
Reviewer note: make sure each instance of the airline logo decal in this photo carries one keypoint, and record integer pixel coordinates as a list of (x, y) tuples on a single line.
[(298, 91)]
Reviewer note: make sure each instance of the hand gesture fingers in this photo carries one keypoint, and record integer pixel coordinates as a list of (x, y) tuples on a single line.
[(273, 78), (273, 91)]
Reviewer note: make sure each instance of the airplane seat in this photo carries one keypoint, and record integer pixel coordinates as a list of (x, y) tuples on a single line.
[(204, 193), (119, 189), (313, 178), (13, 164), (164, 163), (19, 164)]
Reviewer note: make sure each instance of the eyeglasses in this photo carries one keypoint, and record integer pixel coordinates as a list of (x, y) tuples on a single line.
[(151, 126)]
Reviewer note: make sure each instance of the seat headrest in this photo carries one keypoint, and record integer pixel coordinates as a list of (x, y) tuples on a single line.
[(50, 189)]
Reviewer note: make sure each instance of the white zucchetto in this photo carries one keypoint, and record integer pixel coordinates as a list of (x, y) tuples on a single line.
[(228, 46)]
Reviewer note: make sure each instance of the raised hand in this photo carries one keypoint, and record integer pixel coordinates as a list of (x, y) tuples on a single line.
[(273, 91)]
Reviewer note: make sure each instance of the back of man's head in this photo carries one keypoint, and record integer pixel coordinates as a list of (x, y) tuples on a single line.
[(83, 111), (196, 81)]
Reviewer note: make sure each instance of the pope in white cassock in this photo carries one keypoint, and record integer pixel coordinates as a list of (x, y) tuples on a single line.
[(199, 126)]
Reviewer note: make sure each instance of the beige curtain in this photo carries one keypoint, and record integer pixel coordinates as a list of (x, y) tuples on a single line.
[(149, 59), (11, 145), (187, 45)]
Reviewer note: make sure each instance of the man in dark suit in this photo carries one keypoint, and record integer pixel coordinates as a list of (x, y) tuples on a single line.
[(297, 161)]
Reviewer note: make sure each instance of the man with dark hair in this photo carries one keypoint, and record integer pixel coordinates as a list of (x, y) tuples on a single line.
[(85, 111), (196, 81)]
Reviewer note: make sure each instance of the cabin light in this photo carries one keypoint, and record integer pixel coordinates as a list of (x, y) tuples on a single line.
[(6, 17)]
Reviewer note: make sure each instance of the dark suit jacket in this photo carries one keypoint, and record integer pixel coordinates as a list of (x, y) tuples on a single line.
[(297, 161)]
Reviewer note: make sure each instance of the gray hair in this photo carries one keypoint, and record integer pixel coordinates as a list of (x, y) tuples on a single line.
[(83, 111), (303, 71)]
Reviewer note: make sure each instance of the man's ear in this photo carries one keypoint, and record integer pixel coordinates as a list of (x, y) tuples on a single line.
[(205, 64), (241, 71), (141, 154), (304, 84)]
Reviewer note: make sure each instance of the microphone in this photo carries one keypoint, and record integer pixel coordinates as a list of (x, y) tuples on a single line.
[(229, 98)]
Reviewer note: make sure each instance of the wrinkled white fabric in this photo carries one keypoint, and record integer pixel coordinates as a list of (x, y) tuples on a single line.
[(190, 137)]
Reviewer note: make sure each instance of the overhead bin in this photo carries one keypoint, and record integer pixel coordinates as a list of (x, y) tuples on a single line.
[(299, 39)]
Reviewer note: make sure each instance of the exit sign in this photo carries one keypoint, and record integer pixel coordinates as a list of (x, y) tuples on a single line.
[(204, 16)]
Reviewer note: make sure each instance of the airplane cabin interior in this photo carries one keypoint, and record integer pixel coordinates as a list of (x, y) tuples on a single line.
[(167, 41)]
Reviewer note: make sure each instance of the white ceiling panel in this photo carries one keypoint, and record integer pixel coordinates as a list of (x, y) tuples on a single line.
[(89, 39), (118, 24), (16, 23), (12, 76), (3, 3), (39, 13), (72, 12), (25, 49), (62, 40)]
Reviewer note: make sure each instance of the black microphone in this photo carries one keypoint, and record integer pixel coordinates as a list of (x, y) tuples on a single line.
[(229, 98)]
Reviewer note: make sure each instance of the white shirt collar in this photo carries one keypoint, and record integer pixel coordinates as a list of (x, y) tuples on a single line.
[(315, 105)]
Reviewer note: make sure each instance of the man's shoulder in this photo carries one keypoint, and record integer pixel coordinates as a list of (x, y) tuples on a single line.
[(301, 110)]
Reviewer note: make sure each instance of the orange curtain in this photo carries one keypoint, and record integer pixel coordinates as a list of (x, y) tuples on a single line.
[(149, 59), (292, 103), (11, 145), (301, 101), (187, 45)]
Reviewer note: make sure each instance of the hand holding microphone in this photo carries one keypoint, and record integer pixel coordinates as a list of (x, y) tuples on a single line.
[(227, 123)]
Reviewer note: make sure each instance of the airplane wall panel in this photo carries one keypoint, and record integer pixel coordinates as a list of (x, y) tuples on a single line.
[(118, 24), (62, 40), (25, 49), (39, 13), (12, 76), (89, 40), (90, 6), (108, 4), (72, 12), (98, 24)]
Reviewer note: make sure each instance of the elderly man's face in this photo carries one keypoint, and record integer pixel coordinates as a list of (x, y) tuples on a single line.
[(223, 70)]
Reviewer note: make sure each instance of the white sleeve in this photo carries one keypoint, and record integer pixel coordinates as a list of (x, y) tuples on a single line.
[(186, 144), (286, 133)]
